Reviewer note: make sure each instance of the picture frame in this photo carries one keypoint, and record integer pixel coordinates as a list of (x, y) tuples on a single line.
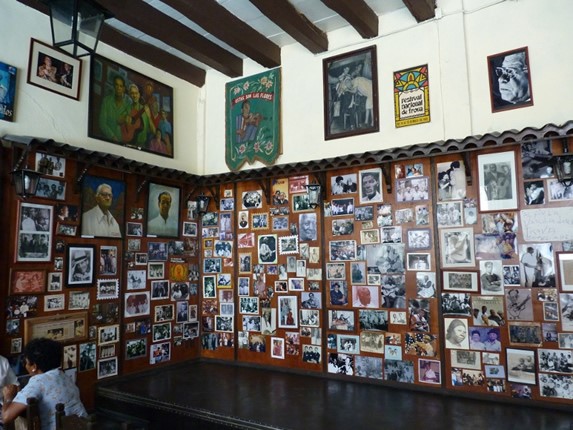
[(102, 197), (51, 165), (107, 289), (107, 367), (288, 314), (34, 240), (189, 229), (370, 185), (31, 281), (70, 327), (55, 282), (497, 181), (107, 77), (54, 70), (277, 348), (80, 265), (419, 238), (343, 184), (460, 281), (135, 348), (457, 245), (163, 211), (565, 267), (8, 75), (108, 334), (510, 80), (54, 302), (78, 300), (136, 304), (52, 189), (521, 366), (267, 249), (352, 76)]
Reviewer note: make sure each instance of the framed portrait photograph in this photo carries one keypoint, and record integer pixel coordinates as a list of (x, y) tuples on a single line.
[(147, 102), (350, 94), (565, 267), (497, 181), (34, 243), (54, 70), (510, 80), (51, 165), (370, 185), (457, 245), (163, 211), (80, 265), (103, 206)]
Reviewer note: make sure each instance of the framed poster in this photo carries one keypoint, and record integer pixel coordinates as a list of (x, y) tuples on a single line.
[(80, 267), (350, 94), (7, 91), (497, 181), (510, 80), (54, 70), (103, 206), (411, 96), (252, 124), (61, 327), (163, 211), (117, 91)]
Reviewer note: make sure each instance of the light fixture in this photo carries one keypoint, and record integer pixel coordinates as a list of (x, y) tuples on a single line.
[(313, 191), (202, 204), (563, 166), (25, 182), (76, 25)]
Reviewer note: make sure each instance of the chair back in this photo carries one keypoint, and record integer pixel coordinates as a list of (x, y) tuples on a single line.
[(33, 414), (72, 422)]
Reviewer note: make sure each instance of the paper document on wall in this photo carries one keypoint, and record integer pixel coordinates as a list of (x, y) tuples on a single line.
[(547, 224)]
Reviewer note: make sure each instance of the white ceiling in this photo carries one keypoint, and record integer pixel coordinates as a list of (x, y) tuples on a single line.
[(320, 15)]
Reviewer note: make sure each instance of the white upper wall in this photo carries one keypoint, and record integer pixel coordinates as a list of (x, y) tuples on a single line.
[(455, 46), (44, 114)]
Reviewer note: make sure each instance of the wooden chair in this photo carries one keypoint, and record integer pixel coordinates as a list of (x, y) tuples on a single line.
[(73, 422), (31, 421)]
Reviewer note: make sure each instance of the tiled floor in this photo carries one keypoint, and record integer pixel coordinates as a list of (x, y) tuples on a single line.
[(214, 395)]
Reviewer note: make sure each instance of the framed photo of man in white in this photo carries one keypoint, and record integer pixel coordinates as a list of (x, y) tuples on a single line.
[(103, 206), (497, 181), (163, 211), (370, 185)]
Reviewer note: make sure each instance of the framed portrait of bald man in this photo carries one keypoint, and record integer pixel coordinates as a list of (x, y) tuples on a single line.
[(163, 211), (103, 206), (510, 80)]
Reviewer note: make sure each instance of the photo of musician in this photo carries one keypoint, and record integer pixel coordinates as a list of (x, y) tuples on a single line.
[(247, 123)]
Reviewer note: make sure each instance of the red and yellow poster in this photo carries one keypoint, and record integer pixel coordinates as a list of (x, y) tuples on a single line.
[(411, 96)]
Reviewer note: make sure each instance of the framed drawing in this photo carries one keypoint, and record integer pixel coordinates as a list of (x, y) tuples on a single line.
[(80, 268), (103, 206), (252, 120), (163, 211), (350, 94), (457, 245), (565, 265), (7, 91), (510, 80), (147, 102), (34, 233), (497, 181), (54, 70), (62, 327)]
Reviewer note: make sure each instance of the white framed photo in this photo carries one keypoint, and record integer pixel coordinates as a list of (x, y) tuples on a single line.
[(457, 245), (460, 281), (497, 181)]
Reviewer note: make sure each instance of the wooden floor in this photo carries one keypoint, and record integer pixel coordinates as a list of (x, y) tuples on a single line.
[(212, 395)]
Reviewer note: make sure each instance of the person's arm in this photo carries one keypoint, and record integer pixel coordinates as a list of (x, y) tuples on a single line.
[(10, 409)]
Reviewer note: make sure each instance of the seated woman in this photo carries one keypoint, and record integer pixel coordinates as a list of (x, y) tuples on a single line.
[(48, 384)]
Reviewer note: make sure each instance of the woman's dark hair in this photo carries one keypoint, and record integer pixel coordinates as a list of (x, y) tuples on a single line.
[(46, 354)]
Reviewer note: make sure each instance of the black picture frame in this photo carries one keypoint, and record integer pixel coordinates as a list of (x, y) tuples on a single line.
[(351, 94), (80, 265)]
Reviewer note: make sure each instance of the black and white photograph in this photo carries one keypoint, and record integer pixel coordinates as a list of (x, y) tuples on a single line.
[(525, 333), (497, 181), (558, 191), (419, 238), (460, 281), (491, 276), (426, 285), (364, 213), (521, 366), (341, 227), (456, 304), (450, 214), (52, 189), (457, 247), (404, 216), (339, 207), (189, 229), (107, 367), (80, 267), (342, 250), (537, 159), (510, 80), (391, 234), (343, 184), (534, 193), (370, 185), (386, 258), (107, 289), (537, 268), (412, 189), (418, 261), (267, 249), (393, 288), (451, 180)]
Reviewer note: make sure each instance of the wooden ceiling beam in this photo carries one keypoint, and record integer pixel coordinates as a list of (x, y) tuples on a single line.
[(298, 26), (149, 20), (358, 14), (226, 27), (422, 10), (154, 56)]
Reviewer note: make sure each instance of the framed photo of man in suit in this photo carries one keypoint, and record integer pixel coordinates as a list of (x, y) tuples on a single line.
[(103, 205), (163, 211)]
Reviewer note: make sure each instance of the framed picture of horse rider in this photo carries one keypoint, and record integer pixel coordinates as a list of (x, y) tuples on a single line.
[(350, 94)]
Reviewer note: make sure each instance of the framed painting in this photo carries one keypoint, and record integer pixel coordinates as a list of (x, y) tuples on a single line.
[(163, 211), (7, 91), (497, 181), (252, 123), (510, 80), (27, 281), (54, 70), (147, 102), (80, 267), (103, 206), (350, 94)]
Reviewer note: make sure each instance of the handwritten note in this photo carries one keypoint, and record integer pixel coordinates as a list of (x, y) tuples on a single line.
[(547, 225)]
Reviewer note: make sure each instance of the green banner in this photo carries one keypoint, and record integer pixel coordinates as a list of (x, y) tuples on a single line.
[(252, 120)]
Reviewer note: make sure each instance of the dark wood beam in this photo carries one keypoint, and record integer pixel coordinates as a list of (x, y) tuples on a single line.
[(358, 14), (422, 10), (154, 56), (142, 51), (149, 20), (225, 26), (284, 14)]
